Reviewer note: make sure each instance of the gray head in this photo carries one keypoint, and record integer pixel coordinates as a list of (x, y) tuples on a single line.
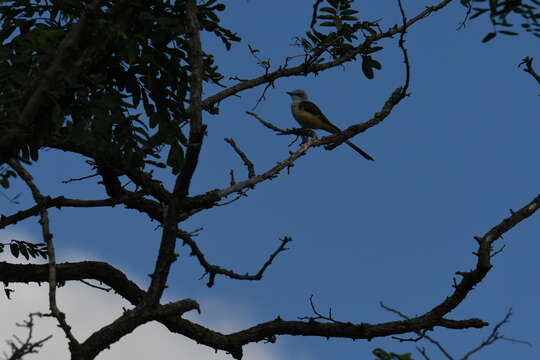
[(298, 95)]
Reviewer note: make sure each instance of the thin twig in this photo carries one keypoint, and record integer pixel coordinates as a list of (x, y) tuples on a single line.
[(79, 178), (196, 127), (60, 202), (213, 270), (528, 62), (319, 315), (106, 289), (401, 43), (48, 239), (243, 156), (21, 348), (494, 336)]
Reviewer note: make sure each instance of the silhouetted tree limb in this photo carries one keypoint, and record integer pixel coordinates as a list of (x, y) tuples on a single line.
[(20, 348), (302, 70)]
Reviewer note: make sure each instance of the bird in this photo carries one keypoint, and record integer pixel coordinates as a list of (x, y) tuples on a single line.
[(309, 116)]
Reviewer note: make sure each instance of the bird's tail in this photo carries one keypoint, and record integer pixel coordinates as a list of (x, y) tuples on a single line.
[(358, 150)]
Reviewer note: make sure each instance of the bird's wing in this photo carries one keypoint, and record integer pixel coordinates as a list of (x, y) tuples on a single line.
[(311, 108)]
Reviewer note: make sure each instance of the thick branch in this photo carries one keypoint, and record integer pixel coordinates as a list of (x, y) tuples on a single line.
[(129, 321), (196, 129), (166, 255), (233, 342), (90, 270)]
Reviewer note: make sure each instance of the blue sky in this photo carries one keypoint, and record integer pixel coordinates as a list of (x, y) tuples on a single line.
[(451, 160)]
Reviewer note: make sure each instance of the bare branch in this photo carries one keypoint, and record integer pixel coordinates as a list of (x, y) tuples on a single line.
[(247, 162), (166, 255), (269, 174), (234, 342), (47, 239), (429, 338), (333, 141), (294, 131), (401, 42), (213, 270), (319, 315), (95, 286), (197, 129), (494, 336), (60, 201), (421, 335), (528, 62), (423, 352), (129, 321), (94, 270), (20, 348), (79, 178)]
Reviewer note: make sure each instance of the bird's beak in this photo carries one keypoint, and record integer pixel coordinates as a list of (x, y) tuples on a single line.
[(290, 93)]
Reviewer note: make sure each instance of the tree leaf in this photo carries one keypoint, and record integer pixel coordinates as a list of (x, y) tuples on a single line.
[(366, 67), (489, 37), (328, 23), (328, 10), (24, 251), (14, 247), (506, 32), (375, 64)]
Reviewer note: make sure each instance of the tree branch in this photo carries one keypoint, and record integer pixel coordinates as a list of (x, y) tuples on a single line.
[(333, 141), (129, 321), (90, 270), (302, 69), (494, 336), (213, 270), (528, 62), (61, 201), (243, 156), (47, 239), (435, 317), (197, 129), (19, 348)]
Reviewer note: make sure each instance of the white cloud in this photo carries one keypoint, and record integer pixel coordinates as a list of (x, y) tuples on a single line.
[(88, 309)]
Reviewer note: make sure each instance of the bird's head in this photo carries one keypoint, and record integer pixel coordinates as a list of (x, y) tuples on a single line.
[(298, 95)]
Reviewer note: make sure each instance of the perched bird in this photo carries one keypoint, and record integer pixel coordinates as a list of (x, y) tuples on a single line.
[(309, 116)]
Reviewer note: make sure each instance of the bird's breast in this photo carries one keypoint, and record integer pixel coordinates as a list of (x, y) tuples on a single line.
[(305, 118)]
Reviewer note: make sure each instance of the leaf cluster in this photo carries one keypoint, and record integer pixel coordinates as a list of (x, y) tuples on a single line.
[(132, 60), (501, 13), (26, 249), (5, 174), (344, 28)]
